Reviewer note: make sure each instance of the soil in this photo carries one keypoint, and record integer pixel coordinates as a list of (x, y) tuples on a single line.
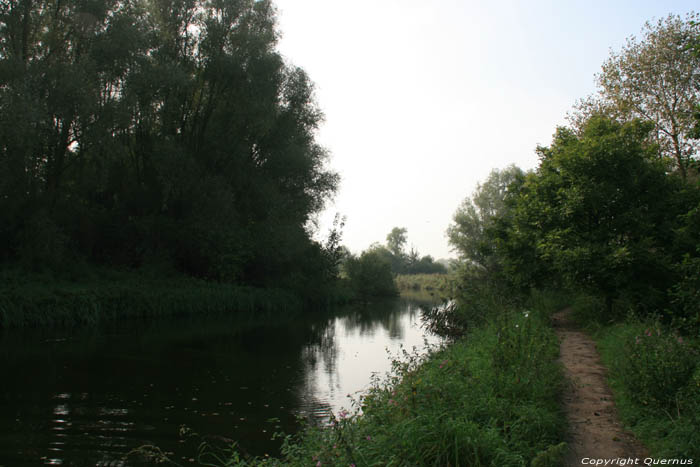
[(595, 430)]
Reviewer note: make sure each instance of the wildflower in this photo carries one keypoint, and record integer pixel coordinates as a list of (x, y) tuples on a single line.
[(679, 339), (517, 326), (392, 402), (648, 333), (369, 438), (527, 313), (318, 464), (343, 413), (444, 362)]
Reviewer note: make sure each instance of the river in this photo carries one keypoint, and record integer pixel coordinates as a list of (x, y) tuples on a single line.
[(88, 397)]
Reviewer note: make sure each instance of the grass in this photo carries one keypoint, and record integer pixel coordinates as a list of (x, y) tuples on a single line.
[(655, 376), (437, 285), (488, 399), (30, 301)]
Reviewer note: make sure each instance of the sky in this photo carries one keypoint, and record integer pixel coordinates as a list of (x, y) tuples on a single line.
[(422, 99)]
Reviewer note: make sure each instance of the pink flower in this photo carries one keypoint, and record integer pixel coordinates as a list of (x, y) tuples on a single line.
[(369, 438), (343, 413)]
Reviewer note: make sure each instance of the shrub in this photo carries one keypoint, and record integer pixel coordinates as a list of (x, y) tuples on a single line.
[(370, 275)]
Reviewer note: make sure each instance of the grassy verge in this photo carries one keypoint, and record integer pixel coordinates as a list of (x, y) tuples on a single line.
[(488, 399), (43, 301), (655, 377), (654, 373)]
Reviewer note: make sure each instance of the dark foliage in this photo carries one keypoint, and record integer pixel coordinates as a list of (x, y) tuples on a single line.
[(168, 131)]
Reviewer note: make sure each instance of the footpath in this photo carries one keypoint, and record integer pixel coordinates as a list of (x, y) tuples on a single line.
[(595, 431)]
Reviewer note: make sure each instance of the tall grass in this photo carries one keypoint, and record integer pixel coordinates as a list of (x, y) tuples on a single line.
[(655, 377), (439, 285), (26, 302)]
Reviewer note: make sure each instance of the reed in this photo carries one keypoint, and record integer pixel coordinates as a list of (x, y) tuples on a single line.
[(33, 302)]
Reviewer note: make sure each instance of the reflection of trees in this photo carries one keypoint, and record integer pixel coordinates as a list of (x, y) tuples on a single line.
[(367, 319)]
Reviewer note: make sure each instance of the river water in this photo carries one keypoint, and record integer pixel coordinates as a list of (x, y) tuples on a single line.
[(89, 397)]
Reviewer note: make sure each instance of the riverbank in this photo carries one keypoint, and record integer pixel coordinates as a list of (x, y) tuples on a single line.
[(489, 398), (34, 300)]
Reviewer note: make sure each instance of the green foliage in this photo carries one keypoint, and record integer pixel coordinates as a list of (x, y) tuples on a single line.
[(396, 240), (406, 263), (435, 284), (655, 376), (655, 79), (36, 300), (597, 214), (470, 233), (660, 363), (132, 129), (370, 274), (686, 296)]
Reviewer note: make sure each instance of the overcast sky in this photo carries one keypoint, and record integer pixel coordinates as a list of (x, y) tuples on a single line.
[(424, 98)]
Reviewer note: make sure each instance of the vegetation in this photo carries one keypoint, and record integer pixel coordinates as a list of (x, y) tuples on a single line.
[(172, 136), (140, 130), (403, 262), (439, 285), (606, 217), (654, 79), (27, 300), (370, 275)]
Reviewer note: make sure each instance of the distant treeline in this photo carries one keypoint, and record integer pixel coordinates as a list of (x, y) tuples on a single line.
[(166, 133), (372, 272)]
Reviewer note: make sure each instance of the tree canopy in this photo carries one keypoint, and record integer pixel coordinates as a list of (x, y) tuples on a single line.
[(597, 210), (656, 78), (140, 129), (470, 232)]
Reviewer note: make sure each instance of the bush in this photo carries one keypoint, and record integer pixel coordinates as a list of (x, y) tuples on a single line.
[(655, 376), (660, 363), (370, 275)]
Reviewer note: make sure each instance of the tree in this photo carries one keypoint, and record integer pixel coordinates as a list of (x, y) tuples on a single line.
[(396, 240), (597, 212), (370, 274), (469, 234), (139, 128), (655, 79)]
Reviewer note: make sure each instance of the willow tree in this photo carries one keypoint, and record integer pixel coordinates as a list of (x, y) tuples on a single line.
[(133, 128)]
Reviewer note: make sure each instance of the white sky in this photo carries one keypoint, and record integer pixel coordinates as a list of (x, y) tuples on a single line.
[(423, 98)]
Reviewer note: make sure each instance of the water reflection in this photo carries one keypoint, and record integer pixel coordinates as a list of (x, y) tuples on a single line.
[(89, 397)]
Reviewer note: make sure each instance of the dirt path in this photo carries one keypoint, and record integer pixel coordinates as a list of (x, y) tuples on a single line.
[(595, 430)]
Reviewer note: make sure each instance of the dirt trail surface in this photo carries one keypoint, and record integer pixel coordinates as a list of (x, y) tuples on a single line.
[(595, 431)]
